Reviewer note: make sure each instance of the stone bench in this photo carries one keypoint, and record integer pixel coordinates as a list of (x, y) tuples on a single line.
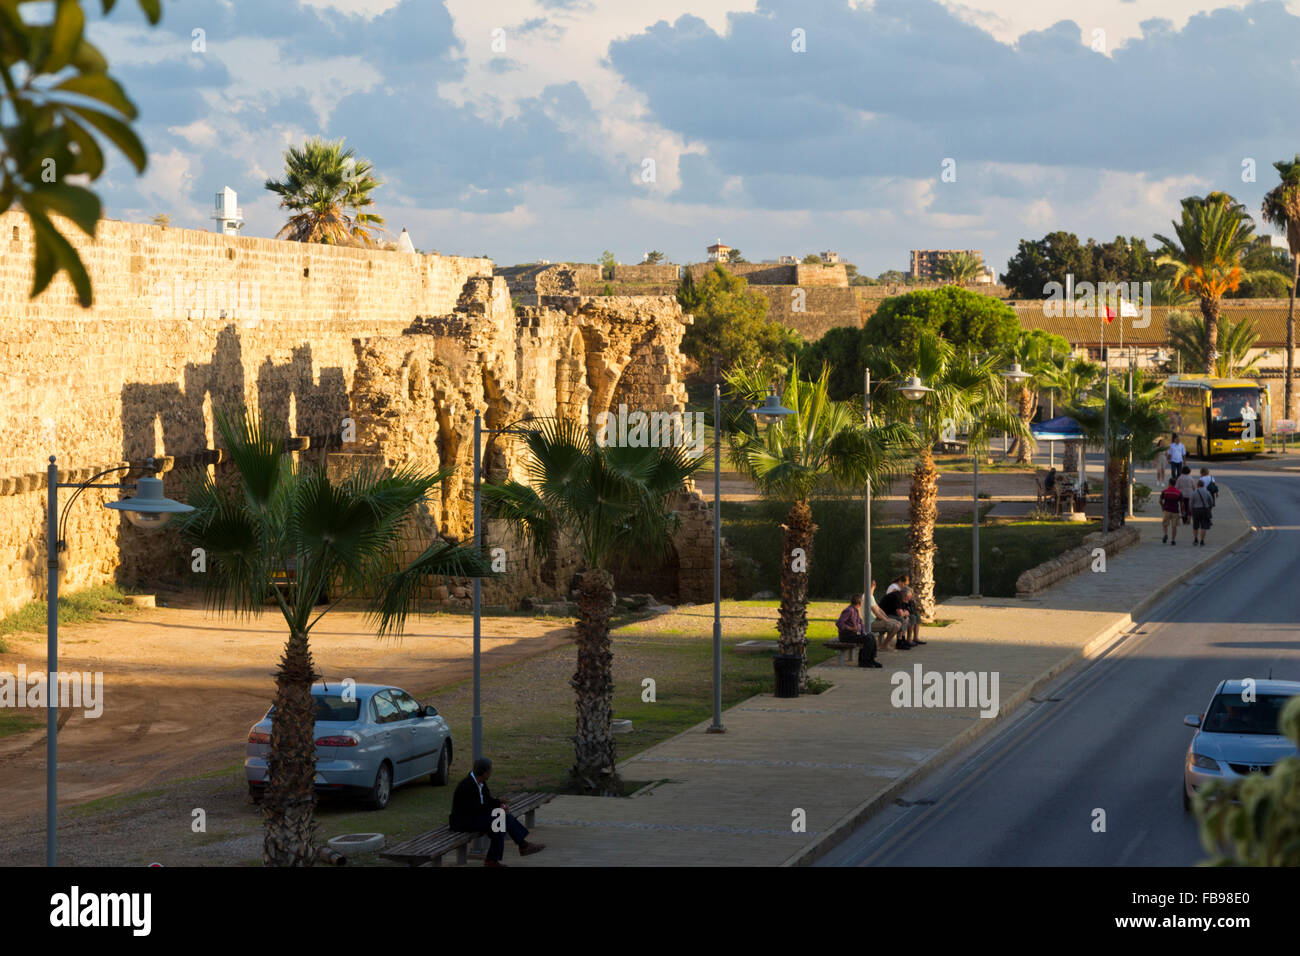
[(845, 651)]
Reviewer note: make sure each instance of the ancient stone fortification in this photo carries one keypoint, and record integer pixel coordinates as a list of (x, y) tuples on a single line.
[(404, 346)]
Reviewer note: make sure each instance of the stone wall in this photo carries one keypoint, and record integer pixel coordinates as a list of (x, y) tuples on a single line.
[(758, 273), (187, 323), (1075, 560), (823, 308), (665, 273)]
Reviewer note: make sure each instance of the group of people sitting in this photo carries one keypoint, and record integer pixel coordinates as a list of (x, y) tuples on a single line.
[(895, 618)]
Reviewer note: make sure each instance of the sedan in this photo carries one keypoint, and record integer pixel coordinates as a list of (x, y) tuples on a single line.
[(370, 738), (1238, 734)]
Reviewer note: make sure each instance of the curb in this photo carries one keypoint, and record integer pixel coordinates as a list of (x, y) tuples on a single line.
[(864, 811)]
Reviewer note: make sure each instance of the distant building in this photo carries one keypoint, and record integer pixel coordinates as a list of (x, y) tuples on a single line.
[(719, 252), (788, 260), (229, 217), (830, 258), (925, 262)]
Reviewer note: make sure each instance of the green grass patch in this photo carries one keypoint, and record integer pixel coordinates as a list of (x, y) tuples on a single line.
[(74, 608), (16, 723), (753, 529)]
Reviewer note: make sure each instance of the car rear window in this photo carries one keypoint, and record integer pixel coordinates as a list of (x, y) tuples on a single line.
[(1229, 714), (331, 708)]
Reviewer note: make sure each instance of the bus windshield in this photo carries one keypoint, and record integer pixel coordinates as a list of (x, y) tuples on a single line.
[(1230, 411)]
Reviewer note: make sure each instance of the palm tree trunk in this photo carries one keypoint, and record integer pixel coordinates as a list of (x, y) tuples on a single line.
[(1070, 457), (1210, 311), (923, 511), (792, 618), (593, 683), (1290, 342), (1118, 503), (1024, 446), (288, 807)]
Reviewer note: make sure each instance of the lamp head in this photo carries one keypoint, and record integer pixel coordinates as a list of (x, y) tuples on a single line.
[(914, 389), (771, 411), (149, 508)]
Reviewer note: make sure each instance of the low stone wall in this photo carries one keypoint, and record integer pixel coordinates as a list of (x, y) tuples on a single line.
[(647, 272), (1075, 560)]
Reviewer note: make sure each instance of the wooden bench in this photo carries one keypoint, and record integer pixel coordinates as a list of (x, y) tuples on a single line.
[(432, 846), (844, 650)]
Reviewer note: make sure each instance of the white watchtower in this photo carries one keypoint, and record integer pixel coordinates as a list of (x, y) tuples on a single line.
[(229, 217)]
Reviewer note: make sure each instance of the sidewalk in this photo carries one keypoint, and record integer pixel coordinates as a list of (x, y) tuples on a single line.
[(730, 799)]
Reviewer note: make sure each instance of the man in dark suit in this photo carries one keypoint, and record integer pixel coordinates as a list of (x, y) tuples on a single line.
[(472, 811)]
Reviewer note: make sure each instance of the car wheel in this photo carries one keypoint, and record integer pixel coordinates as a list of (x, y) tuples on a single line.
[(440, 775), (383, 788), (1187, 801)]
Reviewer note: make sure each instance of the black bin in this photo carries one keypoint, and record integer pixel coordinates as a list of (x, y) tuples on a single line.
[(787, 674)]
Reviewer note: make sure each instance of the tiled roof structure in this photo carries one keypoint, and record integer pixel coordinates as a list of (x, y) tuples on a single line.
[(1269, 322)]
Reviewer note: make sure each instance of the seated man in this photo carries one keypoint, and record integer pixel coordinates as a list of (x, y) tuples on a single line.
[(851, 630), (471, 812), (896, 605)]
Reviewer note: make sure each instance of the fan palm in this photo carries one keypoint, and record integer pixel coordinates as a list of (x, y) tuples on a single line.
[(1135, 424), (1068, 379), (1282, 210), (1035, 351), (966, 392), (1236, 341), (824, 445), (1214, 235), (612, 501), (327, 191), (345, 536), (960, 268)]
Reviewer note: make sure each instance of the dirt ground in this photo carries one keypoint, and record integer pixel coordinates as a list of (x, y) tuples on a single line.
[(182, 687)]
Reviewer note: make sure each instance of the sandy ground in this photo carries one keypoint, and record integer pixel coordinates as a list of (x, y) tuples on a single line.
[(182, 687)]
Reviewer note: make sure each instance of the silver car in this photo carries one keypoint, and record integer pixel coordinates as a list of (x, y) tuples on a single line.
[(368, 741), (1238, 734)]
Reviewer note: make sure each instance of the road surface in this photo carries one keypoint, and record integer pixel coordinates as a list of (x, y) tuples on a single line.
[(1110, 736)]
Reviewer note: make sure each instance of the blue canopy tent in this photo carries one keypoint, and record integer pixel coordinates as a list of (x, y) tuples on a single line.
[(1061, 428)]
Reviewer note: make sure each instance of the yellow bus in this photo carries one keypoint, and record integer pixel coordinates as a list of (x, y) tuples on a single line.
[(1218, 416)]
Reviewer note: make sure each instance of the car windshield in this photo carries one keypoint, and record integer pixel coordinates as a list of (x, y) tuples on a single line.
[(1229, 714), (334, 709)]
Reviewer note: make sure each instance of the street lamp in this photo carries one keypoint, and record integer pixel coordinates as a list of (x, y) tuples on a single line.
[(149, 509), (914, 389), (1014, 374), (476, 721)]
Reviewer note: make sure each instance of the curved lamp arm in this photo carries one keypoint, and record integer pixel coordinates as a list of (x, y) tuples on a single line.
[(82, 486)]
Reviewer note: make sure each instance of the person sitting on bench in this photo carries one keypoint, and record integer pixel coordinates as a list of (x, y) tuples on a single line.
[(472, 807), (852, 631)]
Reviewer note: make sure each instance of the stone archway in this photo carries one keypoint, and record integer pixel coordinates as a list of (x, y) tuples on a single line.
[(572, 393)]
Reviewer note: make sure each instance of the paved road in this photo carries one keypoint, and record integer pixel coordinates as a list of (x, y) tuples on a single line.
[(1110, 735)]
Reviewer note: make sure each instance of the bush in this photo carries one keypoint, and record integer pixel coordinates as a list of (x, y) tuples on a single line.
[(731, 325)]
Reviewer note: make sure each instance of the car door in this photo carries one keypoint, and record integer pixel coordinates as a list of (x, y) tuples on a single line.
[(424, 742), (394, 740)]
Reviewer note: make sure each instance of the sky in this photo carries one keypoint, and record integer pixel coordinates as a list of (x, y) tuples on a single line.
[(556, 129)]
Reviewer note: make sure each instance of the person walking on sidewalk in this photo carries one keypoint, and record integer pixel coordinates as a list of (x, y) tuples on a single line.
[(473, 810), (1171, 511), (851, 630), (1202, 506), (1186, 486), (1208, 480), (1177, 455)]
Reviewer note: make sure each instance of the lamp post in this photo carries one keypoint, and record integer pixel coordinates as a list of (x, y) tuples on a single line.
[(1129, 476), (770, 412), (149, 509), (716, 727), (866, 496), (1105, 481), (476, 720)]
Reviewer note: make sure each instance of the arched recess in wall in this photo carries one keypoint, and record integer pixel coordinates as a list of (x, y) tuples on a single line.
[(603, 371), (571, 389), (636, 386)]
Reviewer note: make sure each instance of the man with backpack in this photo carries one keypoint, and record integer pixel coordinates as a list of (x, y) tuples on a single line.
[(1202, 505), (1208, 481)]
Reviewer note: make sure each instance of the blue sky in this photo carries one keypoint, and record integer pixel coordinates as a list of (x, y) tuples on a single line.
[(525, 129)]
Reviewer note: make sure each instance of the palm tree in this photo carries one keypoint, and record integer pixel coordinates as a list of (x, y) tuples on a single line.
[(1068, 379), (1036, 352), (966, 392), (1282, 210), (1214, 235), (279, 517), (1236, 341), (1135, 423), (960, 268), (327, 192), (613, 502), (824, 445)]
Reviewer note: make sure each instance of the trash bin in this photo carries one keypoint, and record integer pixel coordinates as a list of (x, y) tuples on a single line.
[(787, 674)]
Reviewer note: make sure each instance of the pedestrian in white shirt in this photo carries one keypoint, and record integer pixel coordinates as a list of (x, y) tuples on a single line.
[(1177, 454)]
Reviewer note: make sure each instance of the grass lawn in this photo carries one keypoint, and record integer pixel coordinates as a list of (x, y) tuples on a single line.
[(528, 721), (753, 529), (16, 723), (74, 608)]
